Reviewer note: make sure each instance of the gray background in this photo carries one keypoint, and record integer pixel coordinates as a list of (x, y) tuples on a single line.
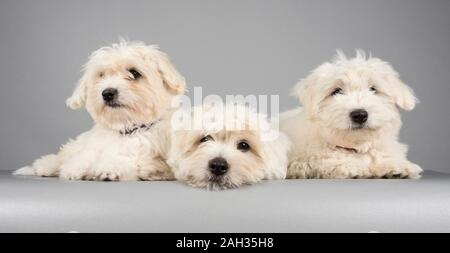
[(228, 47)]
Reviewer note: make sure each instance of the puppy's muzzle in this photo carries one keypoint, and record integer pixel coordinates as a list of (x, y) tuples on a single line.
[(218, 166), (110, 96), (359, 116)]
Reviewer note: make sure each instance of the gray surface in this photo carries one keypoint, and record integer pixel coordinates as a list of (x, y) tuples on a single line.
[(51, 205), (228, 47)]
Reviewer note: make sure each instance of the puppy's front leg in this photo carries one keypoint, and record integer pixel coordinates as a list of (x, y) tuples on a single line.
[(155, 169), (114, 167), (341, 167), (395, 168), (77, 167), (390, 161), (69, 171), (332, 165), (299, 168)]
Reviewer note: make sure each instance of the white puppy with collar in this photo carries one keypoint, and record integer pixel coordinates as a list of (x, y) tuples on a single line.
[(349, 125), (127, 88)]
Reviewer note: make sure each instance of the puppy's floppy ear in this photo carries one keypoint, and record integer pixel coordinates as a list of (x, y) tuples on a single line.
[(306, 89), (403, 95), (172, 79), (78, 98), (303, 91)]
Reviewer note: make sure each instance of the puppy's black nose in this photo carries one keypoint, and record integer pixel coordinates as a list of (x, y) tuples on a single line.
[(359, 116), (218, 166), (109, 94)]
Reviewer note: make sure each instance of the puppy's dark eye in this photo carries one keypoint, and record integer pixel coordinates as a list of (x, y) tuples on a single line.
[(206, 138), (337, 91), (136, 74), (243, 146), (101, 74), (373, 89)]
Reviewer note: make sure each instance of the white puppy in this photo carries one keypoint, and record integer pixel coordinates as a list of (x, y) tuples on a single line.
[(234, 146), (127, 88), (349, 125)]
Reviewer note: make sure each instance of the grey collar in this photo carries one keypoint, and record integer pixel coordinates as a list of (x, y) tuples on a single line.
[(137, 128)]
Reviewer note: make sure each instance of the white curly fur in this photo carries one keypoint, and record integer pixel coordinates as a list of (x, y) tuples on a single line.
[(102, 153), (266, 159), (327, 144)]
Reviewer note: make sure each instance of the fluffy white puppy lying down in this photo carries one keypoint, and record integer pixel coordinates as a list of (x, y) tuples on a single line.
[(232, 146), (127, 88), (349, 124)]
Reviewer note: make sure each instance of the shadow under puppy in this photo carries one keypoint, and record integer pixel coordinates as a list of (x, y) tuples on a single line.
[(350, 122), (127, 89), (233, 146)]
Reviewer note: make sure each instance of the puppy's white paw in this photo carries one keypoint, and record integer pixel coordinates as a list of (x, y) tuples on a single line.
[(154, 170), (107, 176), (115, 175), (415, 171), (47, 166), (74, 174), (298, 170), (400, 170), (327, 170), (347, 171), (156, 175)]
